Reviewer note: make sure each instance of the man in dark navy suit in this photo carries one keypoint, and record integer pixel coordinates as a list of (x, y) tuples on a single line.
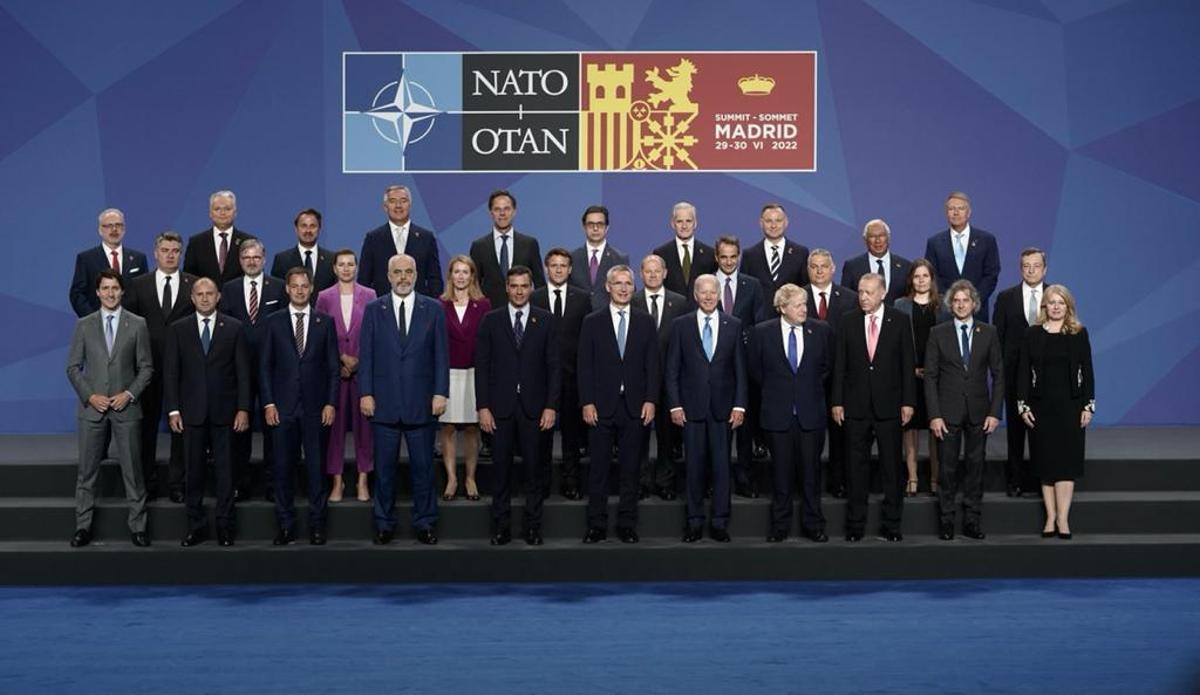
[(307, 253), (686, 257), (112, 255), (776, 260), (879, 259), (206, 393), (298, 370), (214, 252), (400, 235), (706, 396), (517, 380), (404, 378), (618, 387), (791, 357), (502, 248), (829, 302), (963, 251), (590, 262)]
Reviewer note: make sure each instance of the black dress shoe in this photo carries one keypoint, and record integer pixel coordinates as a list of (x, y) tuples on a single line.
[(595, 535), (893, 536), (571, 493), (816, 536), (284, 538), (627, 535), (1013, 490), (485, 451), (316, 537), (176, 496), (81, 538), (270, 495), (426, 536), (839, 491), (383, 537), (946, 531), (719, 535), (241, 494), (973, 532), (777, 536), (854, 536), (225, 538), (692, 534), (760, 451), (747, 490), (533, 536), (644, 493), (667, 494), (501, 537), (194, 538), (140, 539)]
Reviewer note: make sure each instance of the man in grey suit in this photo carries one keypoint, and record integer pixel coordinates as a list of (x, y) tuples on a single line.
[(958, 359), (109, 365), (590, 262)]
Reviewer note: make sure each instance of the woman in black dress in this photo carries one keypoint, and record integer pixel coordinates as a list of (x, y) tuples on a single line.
[(1056, 396)]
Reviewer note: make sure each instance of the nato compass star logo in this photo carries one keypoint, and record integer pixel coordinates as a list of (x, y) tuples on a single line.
[(403, 112)]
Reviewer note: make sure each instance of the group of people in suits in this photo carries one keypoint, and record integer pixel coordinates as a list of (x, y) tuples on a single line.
[(379, 345)]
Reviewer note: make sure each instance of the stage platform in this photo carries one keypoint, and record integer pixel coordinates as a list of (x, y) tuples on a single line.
[(1136, 513)]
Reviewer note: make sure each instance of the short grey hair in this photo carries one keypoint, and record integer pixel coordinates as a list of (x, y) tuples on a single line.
[(619, 268), (223, 194), (684, 205), (820, 252), (251, 243), (963, 285), (109, 211), (706, 277), (881, 223), (168, 236), (396, 187)]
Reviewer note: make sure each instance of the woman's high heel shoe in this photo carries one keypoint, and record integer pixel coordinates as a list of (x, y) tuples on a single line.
[(911, 489)]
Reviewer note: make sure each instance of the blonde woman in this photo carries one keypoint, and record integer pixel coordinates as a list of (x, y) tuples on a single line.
[(465, 306)]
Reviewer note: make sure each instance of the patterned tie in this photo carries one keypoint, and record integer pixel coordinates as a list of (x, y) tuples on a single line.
[(776, 261), (503, 254), (593, 265), (872, 338), (558, 304), (687, 264), (1031, 313), (621, 327), (401, 242), (793, 351), (960, 251), (654, 309), (223, 254), (109, 336), (966, 346), (205, 337), (300, 333), (167, 299), (822, 308), (116, 262), (400, 323), (727, 301), (308, 264), (254, 301), (707, 338), (518, 329), (882, 273)]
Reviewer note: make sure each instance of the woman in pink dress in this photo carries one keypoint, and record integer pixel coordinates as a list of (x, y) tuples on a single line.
[(465, 306), (345, 301)]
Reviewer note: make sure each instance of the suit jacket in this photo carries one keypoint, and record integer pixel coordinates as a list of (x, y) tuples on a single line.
[(706, 390), (378, 248), (704, 260), (290, 258), (577, 308), (860, 265), (1009, 318), (506, 375), (581, 275), (298, 384), (606, 380), (200, 258), (1030, 373), (793, 267), (524, 251), (981, 265), (91, 369), (404, 375), (787, 395), (329, 301), (206, 389), (839, 301), (271, 298), (749, 306), (143, 299), (463, 334), (673, 306), (88, 265), (961, 395), (874, 388)]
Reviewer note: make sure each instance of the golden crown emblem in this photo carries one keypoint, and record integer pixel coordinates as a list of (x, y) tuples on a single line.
[(756, 85)]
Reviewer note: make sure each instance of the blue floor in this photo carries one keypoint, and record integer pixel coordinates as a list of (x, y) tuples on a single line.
[(1086, 636)]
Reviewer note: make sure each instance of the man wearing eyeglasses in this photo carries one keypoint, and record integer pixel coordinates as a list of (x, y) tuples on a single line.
[(112, 255), (590, 262)]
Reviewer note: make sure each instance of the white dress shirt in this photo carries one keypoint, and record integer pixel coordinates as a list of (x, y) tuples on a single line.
[(878, 314), (970, 324), (246, 291), (409, 300), (966, 238), (216, 235), (873, 266), (160, 279), (512, 235), (550, 289), (733, 288), (662, 298), (689, 244), (399, 235), (714, 323), (786, 329), (1026, 290), (306, 321)]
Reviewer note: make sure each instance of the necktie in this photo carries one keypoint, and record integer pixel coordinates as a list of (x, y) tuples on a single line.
[(822, 308), (776, 261), (872, 338), (621, 334), (707, 338), (793, 351), (308, 264), (558, 303), (960, 251), (253, 301), (299, 332), (224, 252), (1031, 313), (727, 301), (400, 241), (594, 265), (654, 309), (116, 261), (518, 329), (108, 334), (687, 264), (205, 337), (966, 346), (167, 299), (503, 254), (400, 323), (879, 267)]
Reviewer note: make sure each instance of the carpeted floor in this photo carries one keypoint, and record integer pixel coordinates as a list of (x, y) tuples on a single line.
[(1060, 636)]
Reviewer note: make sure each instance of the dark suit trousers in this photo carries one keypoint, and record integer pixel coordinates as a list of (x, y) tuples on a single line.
[(707, 445), (836, 465), (860, 433), (151, 400), (629, 434), (420, 457), (660, 472), (793, 452), (292, 433), (1016, 468), (570, 423), (972, 436), (196, 440), (743, 470), (511, 433)]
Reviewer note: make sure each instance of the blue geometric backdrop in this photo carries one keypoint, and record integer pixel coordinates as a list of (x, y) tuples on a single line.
[(1072, 124)]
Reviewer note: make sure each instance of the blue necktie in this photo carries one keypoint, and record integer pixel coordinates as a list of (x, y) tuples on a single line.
[(108, 334), (621, 334), (793, 351), (960, 252), (503, 254), (518, 329), (966, 346), (707, 338), (205, 337)]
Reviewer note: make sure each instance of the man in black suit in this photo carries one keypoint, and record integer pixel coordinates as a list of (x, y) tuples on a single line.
[(503, 248), (879, 259), (213, 253), (109, 255), (963, 251), (1016, 310), (517, 377), (590, 262), (741, 297), (829, 302), (307, 254), (776, 260), (874, 391), (685, 256), (400, 235), (663, 306), (706, 396), (206, 393), (791, 359), (298, 372), (960, 357), (250, 298), (618, 387), (162, 298), (569, 305)]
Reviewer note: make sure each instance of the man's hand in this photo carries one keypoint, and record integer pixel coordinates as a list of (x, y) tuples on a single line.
[(1027, 418), (175, 422), (906, 413), (590, 415), (678, 417), (990, 424), (1085, 418), (838, 413), (937, 427), (100, 403), (487, 422), (736, 418), (546, 423), (439, 405), (271, 415), (367, 405), (119, 401), (241, 421), (647, 413), (327, 415)]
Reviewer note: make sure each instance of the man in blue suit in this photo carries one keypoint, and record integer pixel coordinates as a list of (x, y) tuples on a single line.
[(109, 255), (879, 259), (791, 358), (707, 394), (517, 382), (404, 377), (590, 262), (307, 254), (964, 252), (399, 235), (298, 371)]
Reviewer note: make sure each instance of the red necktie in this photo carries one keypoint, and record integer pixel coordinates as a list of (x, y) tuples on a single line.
[(822, 308), (116, 262)]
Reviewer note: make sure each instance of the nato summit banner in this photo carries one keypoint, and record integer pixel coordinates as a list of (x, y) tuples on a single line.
[(595, 111)]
